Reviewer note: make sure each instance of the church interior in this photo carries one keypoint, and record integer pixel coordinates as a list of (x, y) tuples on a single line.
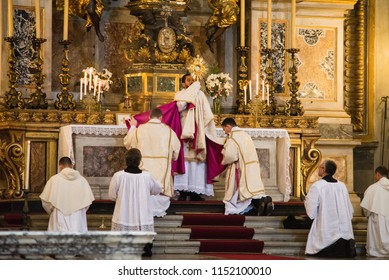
[(307, 78)]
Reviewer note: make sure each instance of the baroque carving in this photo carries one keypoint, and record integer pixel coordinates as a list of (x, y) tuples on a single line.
[(354, 63)]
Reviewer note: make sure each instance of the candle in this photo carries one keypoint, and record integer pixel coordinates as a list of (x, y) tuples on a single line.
[(27, 176), (257, 84), (250, 90), (81, 86), (65, 20), (242, 23), (94, 85), (269, 15), (10, 19), (263, 90), (99, 86), (293, 27), (245, 94), (267, 95), (90, 78), (38, 18)]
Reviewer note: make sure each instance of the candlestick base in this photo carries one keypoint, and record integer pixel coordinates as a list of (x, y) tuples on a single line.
[(293, 105), (65, 98)]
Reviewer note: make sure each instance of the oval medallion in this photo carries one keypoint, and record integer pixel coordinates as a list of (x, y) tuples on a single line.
[(166, 39)]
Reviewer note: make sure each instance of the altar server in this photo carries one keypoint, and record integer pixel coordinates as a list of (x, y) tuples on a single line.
[(159, 146), (376, 208), (66, 197), (328, 205)]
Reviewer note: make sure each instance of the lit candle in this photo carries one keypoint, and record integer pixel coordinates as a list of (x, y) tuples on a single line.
[(27, 176), (95, 85), (269, 15), (81, 86), (263, 90), (267, 95), (10, 19), (242, 22), (250, 90), (245, 94), (257, 84), (293, 27), (65, 20), (90, 78), (38, 18)]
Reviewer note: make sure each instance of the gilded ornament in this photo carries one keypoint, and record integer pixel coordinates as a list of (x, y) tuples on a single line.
[(167, 39), (66, 117), (109, 119), (24, 117), (52, 117), (38, 117), (80, 118), (198, 68)]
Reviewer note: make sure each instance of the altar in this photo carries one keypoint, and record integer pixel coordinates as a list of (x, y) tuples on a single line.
[(98, 152)]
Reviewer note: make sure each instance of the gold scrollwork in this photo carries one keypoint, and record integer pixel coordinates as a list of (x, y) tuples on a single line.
[(311, 158), (12, 162)]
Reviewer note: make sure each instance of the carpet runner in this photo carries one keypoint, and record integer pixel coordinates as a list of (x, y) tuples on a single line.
[(222, 233), (251, 256)]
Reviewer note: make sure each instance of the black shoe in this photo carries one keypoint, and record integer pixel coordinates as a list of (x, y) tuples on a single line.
[(183, 196), (147, 250), (269, 206), (195, 197)]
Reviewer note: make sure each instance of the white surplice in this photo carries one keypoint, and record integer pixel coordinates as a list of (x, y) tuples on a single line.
[(159, 145), (329, 205), (66, 197), (375, 206), (243, 174), (132, 195)]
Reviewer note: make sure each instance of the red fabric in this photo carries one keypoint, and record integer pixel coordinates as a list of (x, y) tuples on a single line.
[(13, 219), (231, 246), (251, 256), (221, 232), (171, 117), (213, 219)]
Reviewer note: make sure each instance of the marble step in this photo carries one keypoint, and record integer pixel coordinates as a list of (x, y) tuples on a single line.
[(176, 247)]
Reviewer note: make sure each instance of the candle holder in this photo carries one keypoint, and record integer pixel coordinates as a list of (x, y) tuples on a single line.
[(26, 211), (65, 98), (13, 97), (242, 107), (37, 99), (269, 71), (90, 103), (293, 105)]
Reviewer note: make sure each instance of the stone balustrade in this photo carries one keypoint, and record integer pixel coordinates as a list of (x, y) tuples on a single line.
[(92, 245)]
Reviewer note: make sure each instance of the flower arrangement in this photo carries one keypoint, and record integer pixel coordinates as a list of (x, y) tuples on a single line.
[(218, 85)]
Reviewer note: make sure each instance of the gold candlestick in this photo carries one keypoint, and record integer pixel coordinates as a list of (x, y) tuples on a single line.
[(65, 98), (13, 97), (293, 105), (242, 107), (269, 71), (37, 99)]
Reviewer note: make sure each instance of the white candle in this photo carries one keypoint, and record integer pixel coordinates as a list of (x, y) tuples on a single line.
[(27, 176), (65, 20), (250, 90), (99, 86), (245, 94), (10, 19), (263, 90), (257, 84), (90, 78), (267, 95), (38, 18), (293, 25), (94, 85), (81, 86), (242, 22), (269, 15)]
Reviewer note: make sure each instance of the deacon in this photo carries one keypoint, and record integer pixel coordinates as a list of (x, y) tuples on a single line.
[(243, 175), (159, 146), (375, 206), (66, 197)]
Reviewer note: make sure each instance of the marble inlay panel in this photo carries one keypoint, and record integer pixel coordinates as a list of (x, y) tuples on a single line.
[(25, 51), (278, 57), (100, 161), (38, 166), (317, 57)]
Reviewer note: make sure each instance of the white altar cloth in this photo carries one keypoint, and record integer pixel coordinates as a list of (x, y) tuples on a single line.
[(281, 136)]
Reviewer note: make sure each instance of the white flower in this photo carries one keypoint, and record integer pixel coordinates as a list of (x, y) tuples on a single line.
[(218, 85)]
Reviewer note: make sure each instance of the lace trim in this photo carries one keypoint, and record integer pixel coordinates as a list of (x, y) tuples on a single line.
[(119, 227), (260, 132), (105, 130)]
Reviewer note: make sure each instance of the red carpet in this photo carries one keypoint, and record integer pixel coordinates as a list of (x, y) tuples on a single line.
[(250, 257), (221, 232), (213, 220), (252, 246)]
